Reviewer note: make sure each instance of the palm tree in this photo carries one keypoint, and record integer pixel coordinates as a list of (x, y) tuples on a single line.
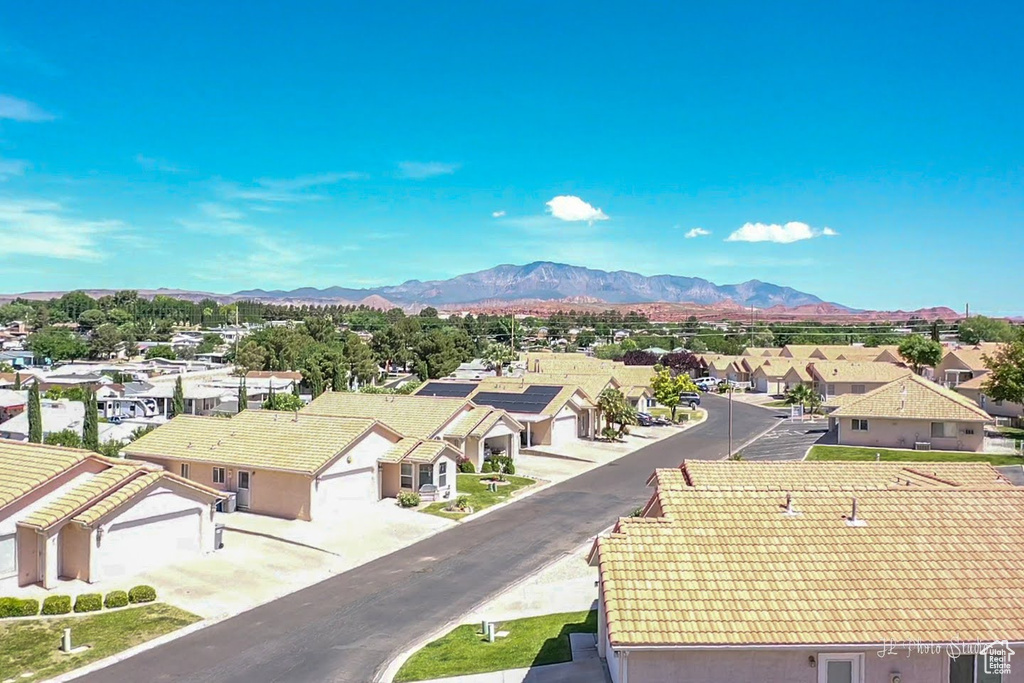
[(803, 395)]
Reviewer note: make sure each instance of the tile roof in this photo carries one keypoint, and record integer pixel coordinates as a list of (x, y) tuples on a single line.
[(799, 350), (418, 416), (262, 439), (761, 351), (798, 371), (276, 374), (139, 484), (510, 385), (973, 383), (913, 398), (24, 466), (973, 357), (417, 450), (478, 421), (806, 476), (79, 497), (778, 367), (592, 384), (856, 371), (730, 568)]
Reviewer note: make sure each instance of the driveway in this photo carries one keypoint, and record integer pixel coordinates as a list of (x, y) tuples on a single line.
[(788, 441), (345, 629)]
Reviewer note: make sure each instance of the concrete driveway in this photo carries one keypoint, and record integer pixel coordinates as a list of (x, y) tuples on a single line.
[(788, 441)]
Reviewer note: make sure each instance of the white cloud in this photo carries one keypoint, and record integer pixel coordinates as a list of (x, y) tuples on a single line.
[(280, 190), (44, 229), (794, 231), (497, 214), (418, 170), (15, 109), (697, 232), (572, 208), (12, 167), (220, 211)]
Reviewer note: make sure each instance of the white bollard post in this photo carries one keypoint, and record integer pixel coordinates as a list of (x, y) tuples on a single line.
[(490, 632), (65, 643), (483, 627)]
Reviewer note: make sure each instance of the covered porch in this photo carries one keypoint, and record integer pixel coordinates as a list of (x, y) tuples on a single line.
[(428, 468)]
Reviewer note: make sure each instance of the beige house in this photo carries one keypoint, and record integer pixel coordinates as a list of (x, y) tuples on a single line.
[(72, 514), (476, 431), (911, 412), (298, 465), (962, 363), (841, 377), (789, 572), (796, 375), (762, 351), (974, 390), (770, 377)]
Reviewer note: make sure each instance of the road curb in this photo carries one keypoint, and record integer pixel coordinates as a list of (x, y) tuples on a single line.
[(387, 672)]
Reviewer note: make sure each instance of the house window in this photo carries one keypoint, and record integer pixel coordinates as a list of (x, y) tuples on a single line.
[(830, 389), (442, 474), (841, 668), (943, 430), (218, 475), (857, 389), (426, 475), (184, 470), (972, 669), (859, 425), (969, 431), (406, 475)]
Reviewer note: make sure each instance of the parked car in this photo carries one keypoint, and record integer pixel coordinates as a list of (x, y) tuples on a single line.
[(644, 420), (691, 399), (706, 383)]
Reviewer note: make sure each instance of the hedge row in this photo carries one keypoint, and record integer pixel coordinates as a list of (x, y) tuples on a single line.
[(86, 602)]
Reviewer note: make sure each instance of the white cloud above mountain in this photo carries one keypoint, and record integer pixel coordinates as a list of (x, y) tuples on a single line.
[(572, 208), (696, 232), (787, 233)]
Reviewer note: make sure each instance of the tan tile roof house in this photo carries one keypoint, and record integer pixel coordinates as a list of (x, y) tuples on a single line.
[(474, 430), (293, 465), (962, 363), (974, 389), (911, 412), (773, 586), (835, 378), (72, 514)]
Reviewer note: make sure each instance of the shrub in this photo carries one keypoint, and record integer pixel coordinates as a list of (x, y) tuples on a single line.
[(467, 467), (142, 594), (18, 607), (487, 467), (89, 602), (57, 604), (682, 417), (510, 467), (610, 433), (408, 499), (115, 599)]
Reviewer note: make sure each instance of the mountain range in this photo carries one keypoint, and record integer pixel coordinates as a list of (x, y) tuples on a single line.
[(546, 281)]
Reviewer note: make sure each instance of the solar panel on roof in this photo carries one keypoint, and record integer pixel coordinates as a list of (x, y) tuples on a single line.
[(447, 389), (533, 400)]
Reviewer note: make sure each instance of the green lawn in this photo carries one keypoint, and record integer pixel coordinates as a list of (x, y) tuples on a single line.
[(530, 642), (856, 453), (479, 497), (660, 411), (1012, 432), (776, 404), (32, 646)]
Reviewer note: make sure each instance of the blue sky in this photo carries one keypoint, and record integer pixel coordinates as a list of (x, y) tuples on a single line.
[(869, 155)]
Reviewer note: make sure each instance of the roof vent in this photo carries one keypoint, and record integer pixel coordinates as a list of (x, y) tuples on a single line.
[(853, 519), (789, 510)]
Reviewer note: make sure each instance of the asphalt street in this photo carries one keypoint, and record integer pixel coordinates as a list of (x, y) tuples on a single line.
[(348, 627), (788, 441)]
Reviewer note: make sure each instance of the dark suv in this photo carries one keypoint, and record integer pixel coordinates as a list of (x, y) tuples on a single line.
[(691, 399)]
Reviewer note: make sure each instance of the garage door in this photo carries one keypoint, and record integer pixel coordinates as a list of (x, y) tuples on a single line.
[(346, 487), (8, 556), (128, 547), (563, 430)]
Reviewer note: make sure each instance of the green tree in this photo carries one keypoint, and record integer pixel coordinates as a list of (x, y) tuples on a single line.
[(252, 356), (112, 448), (90, 425), (428, 312), (585, 338), (288, 402), (437, 355), (919, 352), (612, 404), (609, 352), (67, 438), (211, 342), (321, 329), (35, 415), (628, 345), (17, 381), (803, 395), (315, 377), (1005, 378), (979, 328), (497, 356), (178, 399), (668, 390), (57, 344), (91, 319), (105, 341), (243, 396), (161, 351), (359, 361)]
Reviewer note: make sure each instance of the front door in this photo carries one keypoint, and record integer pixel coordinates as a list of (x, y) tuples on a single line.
[(243, 490)]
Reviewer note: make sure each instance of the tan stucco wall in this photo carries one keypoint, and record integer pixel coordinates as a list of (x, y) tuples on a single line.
[(888, 433), (1007, 409), (28, 557), (75, 544), (391, 480), (842, 388)]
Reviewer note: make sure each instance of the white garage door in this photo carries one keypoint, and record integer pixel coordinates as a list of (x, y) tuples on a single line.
[(563, 430), (346, 487), (8, 556), (128, 547)]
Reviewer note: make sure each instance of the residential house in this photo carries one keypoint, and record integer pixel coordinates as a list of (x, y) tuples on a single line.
[(263, 380), (298, 465), (552, 414), (782, 572), (71, 514), (962, 363), (762, 351), (9, 379), (199, 399), (770, 377), (807, 351), (837, 378), (66, 415), (12, 403), (911, 412), (796, 375), (974, 390), (475, 431), (728, 368)]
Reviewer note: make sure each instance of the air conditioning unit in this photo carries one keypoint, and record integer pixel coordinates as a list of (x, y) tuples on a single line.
[(922, 446)]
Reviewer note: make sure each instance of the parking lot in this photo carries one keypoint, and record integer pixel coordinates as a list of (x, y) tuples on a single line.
[(788, 441)]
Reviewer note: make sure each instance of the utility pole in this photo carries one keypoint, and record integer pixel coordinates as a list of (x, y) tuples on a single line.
[(751, 325), (967, 313), (730, 424)]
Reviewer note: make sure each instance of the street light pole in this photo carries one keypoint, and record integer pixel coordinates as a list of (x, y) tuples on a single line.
[(730, 423)]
